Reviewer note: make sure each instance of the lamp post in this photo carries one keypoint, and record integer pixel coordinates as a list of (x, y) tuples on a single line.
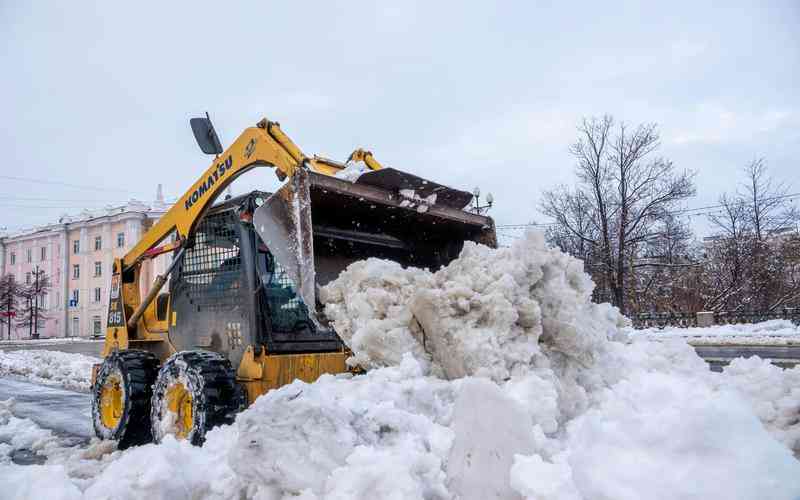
[(36, 305), (476, 201)]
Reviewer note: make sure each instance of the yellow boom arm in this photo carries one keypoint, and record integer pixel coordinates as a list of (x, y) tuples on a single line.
[(264, 145)]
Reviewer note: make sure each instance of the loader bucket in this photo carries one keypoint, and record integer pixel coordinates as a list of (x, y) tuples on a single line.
[(316, 225)]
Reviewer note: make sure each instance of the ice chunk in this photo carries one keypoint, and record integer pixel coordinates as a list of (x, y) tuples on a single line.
[(352, 171)]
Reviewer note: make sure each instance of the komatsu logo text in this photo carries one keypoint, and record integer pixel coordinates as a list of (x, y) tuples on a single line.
[(219, 172)]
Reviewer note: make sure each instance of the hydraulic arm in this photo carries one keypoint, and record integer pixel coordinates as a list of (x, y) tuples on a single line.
[(264, 145)]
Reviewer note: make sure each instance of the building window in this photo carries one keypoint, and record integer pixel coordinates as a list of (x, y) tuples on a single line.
[(120, 240), (76, 326), (98, 243), (44, 253), (13, 258), (98, 269), (76, 271), (29, 255), (76, 246), (75, 298), (97, 295), (97, 325), (27, 278)]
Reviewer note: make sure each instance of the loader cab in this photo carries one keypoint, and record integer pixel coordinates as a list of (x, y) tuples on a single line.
[(230, 292)]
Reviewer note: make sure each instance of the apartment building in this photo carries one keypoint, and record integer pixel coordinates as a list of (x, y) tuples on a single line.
[(21, 255), (77, 254)]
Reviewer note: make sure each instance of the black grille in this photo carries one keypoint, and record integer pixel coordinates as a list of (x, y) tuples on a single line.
[(211, 270)]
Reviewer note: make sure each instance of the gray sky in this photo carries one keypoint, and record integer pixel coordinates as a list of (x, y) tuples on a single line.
[(464, 94)]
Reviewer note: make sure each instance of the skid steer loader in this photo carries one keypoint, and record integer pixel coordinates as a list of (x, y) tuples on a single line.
[(240, 316)]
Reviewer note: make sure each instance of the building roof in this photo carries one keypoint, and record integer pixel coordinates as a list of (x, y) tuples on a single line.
[(132, 206)]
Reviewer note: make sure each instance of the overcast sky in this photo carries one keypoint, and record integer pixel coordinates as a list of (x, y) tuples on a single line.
[(462, 93)]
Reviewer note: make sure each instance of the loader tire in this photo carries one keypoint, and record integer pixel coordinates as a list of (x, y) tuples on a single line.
[(121, 397), (194, 392)]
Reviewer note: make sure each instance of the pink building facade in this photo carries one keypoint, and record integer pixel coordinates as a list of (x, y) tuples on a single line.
[(77, 255)]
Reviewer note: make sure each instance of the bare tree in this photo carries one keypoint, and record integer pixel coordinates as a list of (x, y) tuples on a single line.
[(9, 295), (623, 190), (33, 316), (769, 207), (751, 264)]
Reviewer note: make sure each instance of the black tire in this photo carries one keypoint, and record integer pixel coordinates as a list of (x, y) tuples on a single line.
[(210, 380), (133, 372)]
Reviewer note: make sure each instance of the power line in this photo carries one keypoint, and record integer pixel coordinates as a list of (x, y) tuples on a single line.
[(66, 184), (683, 211), (4, 196)]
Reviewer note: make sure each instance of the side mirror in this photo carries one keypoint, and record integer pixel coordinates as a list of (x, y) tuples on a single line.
[(205, 135)]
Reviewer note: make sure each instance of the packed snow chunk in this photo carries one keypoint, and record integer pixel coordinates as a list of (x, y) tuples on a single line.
[(656, 435), (490, 428), (68, 370), (353, 171), (490, 312), (375, 318), (773, 393)]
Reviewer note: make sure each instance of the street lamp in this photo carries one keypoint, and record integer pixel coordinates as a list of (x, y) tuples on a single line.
[(476, 201)]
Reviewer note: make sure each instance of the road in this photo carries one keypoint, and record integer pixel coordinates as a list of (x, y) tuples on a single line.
[(66, 413), (720, 355)]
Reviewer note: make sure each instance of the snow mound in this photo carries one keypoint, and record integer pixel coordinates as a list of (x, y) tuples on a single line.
[(68, 370), (397, 433), (493, 313)]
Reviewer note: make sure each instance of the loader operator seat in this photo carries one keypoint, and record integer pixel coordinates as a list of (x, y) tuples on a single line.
[(287, 311), (227, 277)]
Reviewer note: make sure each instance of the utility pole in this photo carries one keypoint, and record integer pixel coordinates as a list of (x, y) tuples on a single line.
[(8, 310), (36, 305)]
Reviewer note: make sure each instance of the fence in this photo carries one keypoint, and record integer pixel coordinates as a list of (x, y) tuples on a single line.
[(686, 320)]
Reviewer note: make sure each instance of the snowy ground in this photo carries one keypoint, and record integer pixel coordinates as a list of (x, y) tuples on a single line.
[(71, 371), (495, 377), (776, 332)]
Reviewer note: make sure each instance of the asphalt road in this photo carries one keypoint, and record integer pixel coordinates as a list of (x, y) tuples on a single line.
[(720, 355), (66, 413)]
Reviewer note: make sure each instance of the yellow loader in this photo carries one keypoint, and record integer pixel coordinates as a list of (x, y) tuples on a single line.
[(239, 316)]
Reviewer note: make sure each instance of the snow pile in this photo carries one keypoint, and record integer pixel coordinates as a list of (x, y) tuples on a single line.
[(397, 433), (68, 370), (493, 313), (772, 332), (352, 171)]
